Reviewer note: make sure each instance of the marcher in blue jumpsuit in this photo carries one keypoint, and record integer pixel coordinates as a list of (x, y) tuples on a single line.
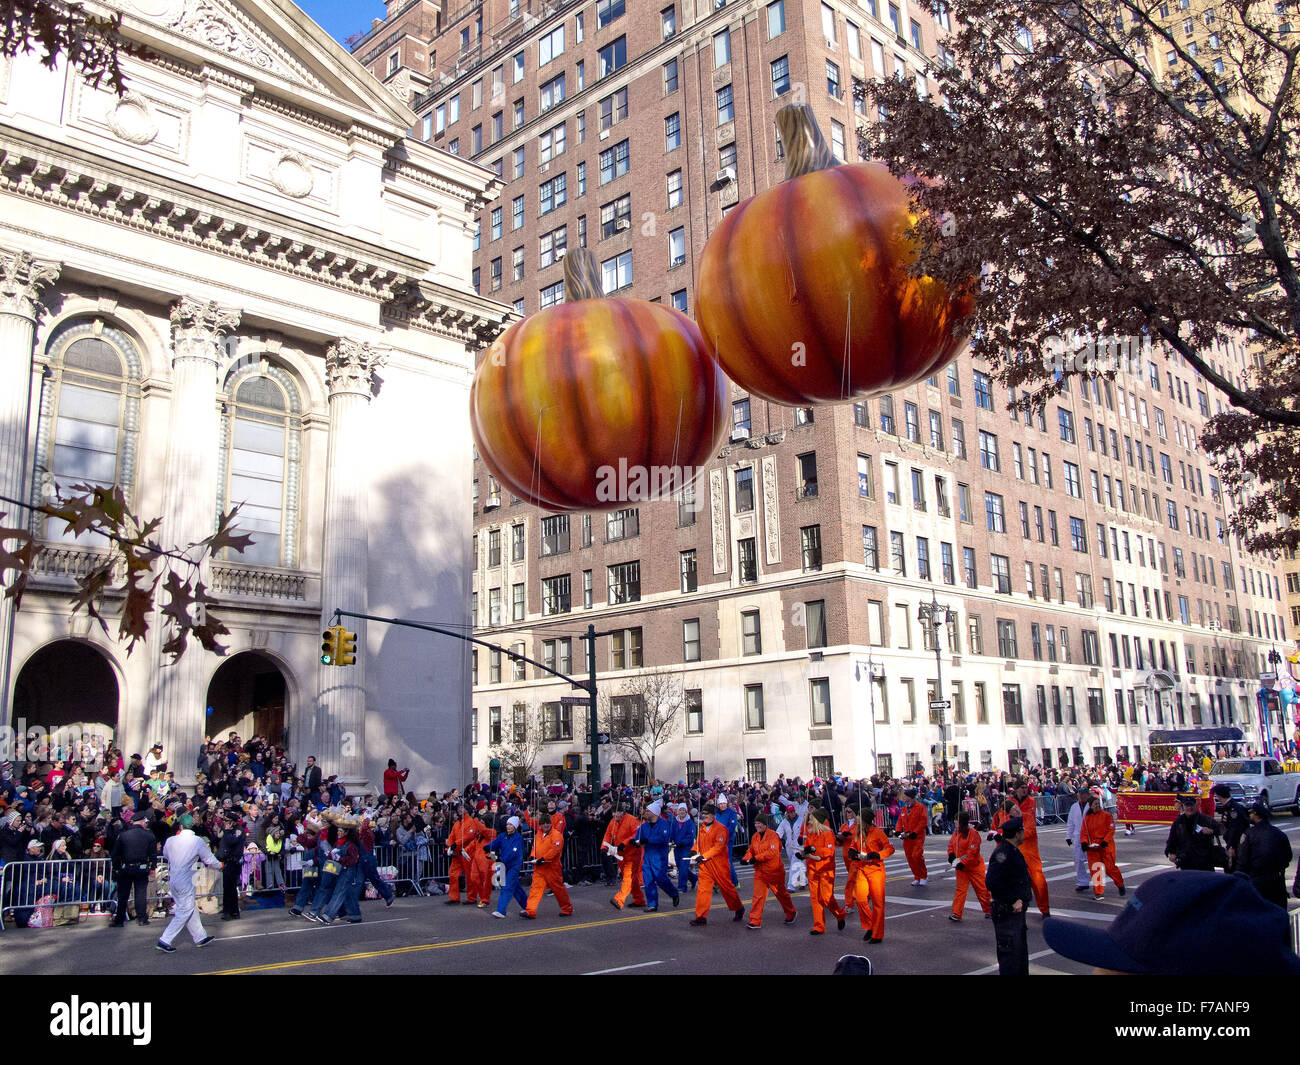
[(510, 848), (655, 836), (683, 835), (727, 817)]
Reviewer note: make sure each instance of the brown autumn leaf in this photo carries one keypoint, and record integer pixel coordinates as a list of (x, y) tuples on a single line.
[(225, 537), (19, 560), (90, 591)]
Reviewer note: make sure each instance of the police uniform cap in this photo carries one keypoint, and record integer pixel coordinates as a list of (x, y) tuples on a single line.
[(1011, 826)]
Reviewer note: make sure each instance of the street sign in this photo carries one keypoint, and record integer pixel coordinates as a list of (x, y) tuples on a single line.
[(573, 700), (602, 737), (940, 704)]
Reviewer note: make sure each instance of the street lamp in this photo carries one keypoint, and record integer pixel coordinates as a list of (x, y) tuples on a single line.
[(934, 614)]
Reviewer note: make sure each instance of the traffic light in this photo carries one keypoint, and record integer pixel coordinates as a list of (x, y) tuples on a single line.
[(329, 648), (347, 647)]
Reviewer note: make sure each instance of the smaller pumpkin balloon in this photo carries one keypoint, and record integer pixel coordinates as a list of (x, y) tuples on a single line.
[(598, 402), (804, 290)]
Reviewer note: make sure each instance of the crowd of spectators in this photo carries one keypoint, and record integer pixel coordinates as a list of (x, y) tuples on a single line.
[(66, 810)]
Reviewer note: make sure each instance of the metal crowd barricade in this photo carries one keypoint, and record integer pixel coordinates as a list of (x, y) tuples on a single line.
[(72, 881)]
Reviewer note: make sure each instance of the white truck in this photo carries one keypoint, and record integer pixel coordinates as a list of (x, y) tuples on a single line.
[(1249, 779)]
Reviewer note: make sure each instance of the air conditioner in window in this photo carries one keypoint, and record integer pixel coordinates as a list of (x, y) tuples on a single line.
[(604, 134), (725, 175), (545, 168), (561, 254), (491, 501), (739, 432), (621, 224)]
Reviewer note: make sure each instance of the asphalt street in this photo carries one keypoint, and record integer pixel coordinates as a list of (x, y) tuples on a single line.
[(425, 936)]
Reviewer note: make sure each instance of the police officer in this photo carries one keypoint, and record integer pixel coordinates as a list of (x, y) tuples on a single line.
[(230, 852), (1012, 890), (1191, 837), (1265, 855), (134, 854), (1235, 821)]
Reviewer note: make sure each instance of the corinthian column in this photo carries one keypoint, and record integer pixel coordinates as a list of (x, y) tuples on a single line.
[(189, 514), (21, 281), (341, 708)]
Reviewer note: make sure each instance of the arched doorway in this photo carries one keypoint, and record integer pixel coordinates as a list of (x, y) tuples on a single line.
[(248, 695), (67, 691)]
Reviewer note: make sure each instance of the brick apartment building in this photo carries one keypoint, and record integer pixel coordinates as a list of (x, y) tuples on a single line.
[(1094, 594)]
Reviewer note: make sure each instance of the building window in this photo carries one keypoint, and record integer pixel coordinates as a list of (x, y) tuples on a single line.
[(555, 595), (550, 46), (674, 189), (555, 535), (673, 132), (751, 633), (1013, 712), (983, 391), (820, 700), (261, 445), (551, 94), (690, 572), (612, 56), (811, 537), (616, 273), (677, 247), (780, 76), (775, 19), (624, 583), (691, 640), (694, 713), (625, 649), (744, 490), (726, 105), (747, 559), (609, 10), (1006, 638), (615, 161)]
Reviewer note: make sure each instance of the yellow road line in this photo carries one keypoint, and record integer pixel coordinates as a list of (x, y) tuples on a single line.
[(501, 938), (524, 934)]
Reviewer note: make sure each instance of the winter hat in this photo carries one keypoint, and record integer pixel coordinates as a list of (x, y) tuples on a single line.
[(655, 808), (513, 822)]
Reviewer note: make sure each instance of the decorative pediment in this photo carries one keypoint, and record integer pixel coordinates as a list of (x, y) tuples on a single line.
[(227, 30)]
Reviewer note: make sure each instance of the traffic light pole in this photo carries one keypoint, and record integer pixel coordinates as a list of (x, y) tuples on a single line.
[(589, 685)]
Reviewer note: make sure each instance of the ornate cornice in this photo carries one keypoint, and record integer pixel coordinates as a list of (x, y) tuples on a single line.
[(351, 365), (214, 224), (21, 279), (197, 327), (443, 315)]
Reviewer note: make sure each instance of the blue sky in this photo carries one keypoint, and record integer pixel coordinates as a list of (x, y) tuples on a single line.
[(342, 18)]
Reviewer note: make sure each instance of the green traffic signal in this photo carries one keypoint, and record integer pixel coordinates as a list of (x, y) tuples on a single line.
[(329, 648)]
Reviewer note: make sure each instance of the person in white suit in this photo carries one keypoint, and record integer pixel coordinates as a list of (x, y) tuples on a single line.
[(789, 830), (1073, 830), (179, 853)]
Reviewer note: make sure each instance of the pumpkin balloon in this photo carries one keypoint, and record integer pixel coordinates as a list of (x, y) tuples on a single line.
[(804, 294), (598, 402)]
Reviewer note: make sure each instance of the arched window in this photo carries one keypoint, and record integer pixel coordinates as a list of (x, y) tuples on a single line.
[(90, 411), (261, 462)]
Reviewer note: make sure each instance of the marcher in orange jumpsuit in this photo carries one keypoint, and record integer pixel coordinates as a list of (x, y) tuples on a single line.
[(848, 839), (1098, 838), (912, 826), (479, 881), (464, 842), (964, 849), (1029, 813), (712, 846), (769, 872), (819, 855), (548, 870), (867, 877), (1001, 817), (618, 841)]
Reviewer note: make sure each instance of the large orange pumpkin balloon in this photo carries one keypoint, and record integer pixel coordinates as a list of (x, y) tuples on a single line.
[(804, 294), (599, 402)]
